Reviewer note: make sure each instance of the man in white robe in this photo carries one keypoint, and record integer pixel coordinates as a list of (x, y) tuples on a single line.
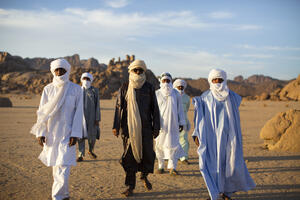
[(92, 116), (180, 85), (59, 124), (218, 136), (172, 118)]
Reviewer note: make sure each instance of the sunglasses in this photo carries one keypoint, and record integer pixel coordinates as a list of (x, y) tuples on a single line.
[(138, 70)]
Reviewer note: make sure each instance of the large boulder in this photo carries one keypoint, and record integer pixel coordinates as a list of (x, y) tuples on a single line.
[(282, 133), (5, 102), (291, 91)]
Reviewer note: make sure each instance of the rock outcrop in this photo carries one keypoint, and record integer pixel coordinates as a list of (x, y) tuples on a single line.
[(9, 63), (282, 133), (289, 92), (5, 102), (30, 75)]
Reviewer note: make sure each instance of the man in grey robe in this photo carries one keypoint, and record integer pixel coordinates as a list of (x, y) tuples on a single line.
[(91, 118)]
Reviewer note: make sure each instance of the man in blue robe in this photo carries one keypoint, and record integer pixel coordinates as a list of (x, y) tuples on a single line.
[(218, 136)]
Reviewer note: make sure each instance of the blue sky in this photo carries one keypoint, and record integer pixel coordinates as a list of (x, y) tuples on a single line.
[(185, 38)]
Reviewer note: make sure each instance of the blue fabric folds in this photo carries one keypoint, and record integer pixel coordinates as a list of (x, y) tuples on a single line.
[(220, 151)]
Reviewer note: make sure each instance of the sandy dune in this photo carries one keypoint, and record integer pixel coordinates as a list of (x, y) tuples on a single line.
[(23, 176)]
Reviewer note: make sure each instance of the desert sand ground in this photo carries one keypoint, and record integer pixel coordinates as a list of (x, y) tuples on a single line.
[(23, 176)]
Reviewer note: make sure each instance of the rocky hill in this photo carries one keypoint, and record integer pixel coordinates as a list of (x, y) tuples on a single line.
[(291, 91), (253, 86), (27, 75), (30, 75)]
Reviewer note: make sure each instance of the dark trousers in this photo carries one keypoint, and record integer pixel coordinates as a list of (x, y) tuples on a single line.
[(131, 167)]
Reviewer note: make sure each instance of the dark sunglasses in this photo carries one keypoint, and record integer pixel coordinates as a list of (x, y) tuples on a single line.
[(138, 70)]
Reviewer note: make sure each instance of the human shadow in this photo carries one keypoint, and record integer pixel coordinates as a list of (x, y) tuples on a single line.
[(271, 158), (190, 173), (29, 107), (272, 195), (200, 193), (101, 160), (273, 169)]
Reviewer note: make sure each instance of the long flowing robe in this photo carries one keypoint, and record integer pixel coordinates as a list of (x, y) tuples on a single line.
[(220, 151), (167, 144), (183, 137), (66, 123), (149, 113), (91, 107)]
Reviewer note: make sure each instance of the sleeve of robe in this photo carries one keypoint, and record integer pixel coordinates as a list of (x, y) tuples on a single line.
[(199, 130), (188, 125), (118, 108), (98, 112), (155, 113), (181, 115), (43, 101), (78, 116)]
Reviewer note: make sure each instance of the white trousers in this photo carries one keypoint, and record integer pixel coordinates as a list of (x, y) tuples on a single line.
[(60, 188), (172, 164)]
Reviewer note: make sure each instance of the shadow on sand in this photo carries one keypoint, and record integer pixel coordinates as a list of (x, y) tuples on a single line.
[(270, 158), (29, 107), (201, 193)]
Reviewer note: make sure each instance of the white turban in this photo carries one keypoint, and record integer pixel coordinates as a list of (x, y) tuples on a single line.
[(59, 63), (165, 75), (217, 73), (88, 75), (219, 90), (166, 88), (48, 110), (179, 82), (137, 64)]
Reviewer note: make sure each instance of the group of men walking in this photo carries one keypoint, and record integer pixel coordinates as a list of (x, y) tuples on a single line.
[(69, 113)]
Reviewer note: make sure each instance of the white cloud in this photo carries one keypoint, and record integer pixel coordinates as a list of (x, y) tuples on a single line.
[(221, 15), (117, 3), (198, 63), (257, 56), (104, 34), (271, 48), (248, 27), (130, 24)]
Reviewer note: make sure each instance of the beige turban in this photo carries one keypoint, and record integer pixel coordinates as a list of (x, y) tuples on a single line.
[(137, 64)]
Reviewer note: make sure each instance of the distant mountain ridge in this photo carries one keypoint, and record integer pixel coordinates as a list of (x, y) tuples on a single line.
[(252, 86), (30, 75)]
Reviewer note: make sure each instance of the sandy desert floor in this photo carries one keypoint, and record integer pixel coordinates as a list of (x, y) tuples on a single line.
[(23, 176)]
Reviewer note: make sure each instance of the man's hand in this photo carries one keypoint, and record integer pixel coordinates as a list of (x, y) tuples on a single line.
[(96, 123), (115, 132), (196, 141), (73, 141), (180, 128), (41, 140)]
